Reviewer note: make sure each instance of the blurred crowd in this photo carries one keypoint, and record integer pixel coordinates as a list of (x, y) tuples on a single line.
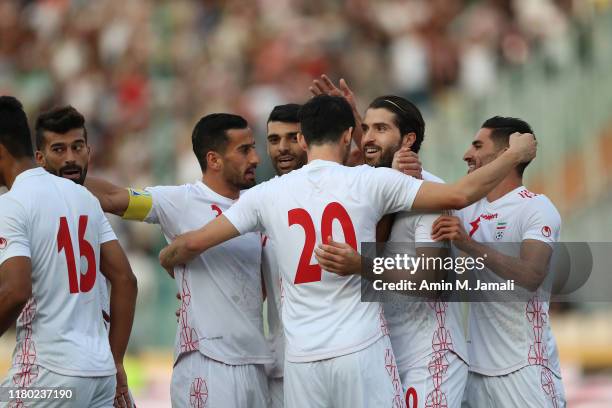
[(143, 71)]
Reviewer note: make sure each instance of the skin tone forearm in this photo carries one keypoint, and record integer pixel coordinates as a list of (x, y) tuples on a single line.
[(191, 244), (114, 265), (342, 259), (113, 199), (476, 185), (528, 270), (15, 289)]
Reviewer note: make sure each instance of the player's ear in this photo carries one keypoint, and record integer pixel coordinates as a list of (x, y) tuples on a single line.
[(214, 160), (40, 158), (348, 136), (408, 140), (302, 141)]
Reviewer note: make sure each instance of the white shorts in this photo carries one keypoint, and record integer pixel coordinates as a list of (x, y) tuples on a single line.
[(365, 379), (276, 392), (90, 392), (532, 386), (437, 380), (200, 382)]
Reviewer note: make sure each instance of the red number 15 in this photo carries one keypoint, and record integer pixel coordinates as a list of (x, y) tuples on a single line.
[(334, 211), (65, 243)]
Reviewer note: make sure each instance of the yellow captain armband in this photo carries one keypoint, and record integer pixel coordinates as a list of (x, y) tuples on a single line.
[(139, 206)]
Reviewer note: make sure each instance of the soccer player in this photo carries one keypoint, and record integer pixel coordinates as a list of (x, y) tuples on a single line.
[(220, 348), (54, 240), (62, 149), (337, 351), (513, 355), (426, 334), (286, 155)]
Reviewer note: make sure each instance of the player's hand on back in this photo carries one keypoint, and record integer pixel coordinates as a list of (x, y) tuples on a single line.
[(339, 258), (122, 394), (448, 227), (524, 144), (407, 161)]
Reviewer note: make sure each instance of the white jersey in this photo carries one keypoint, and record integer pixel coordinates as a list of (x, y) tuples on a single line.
[(323, 314), (419, 327), (273, 282), (506, 336), (221, 294), (60, 226)]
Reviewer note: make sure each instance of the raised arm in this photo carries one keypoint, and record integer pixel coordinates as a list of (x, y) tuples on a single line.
[(476, 185), (189, 245), (113, 199), (15, 289), (324, 85), (115, 267)]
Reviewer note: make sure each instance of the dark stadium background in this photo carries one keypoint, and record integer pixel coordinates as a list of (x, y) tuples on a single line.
[(143, 72)]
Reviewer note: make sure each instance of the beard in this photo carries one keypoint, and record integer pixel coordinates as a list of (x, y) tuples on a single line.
[(74, 173), (238, 179), (386, 158)]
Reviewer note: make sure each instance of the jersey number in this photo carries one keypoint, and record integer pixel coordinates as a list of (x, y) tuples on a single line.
[(334, 211), (412, 399), (64, 242)]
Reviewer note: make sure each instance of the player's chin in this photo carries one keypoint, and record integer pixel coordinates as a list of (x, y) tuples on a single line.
[(248, 181)]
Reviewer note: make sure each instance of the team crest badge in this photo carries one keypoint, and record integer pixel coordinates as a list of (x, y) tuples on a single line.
[(546, 231), (3, 243), (499, 230)]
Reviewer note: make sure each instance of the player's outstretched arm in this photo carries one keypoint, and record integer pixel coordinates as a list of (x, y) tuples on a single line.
[(528, 270), (15, 289), (191, 244), (115, 267), (476, 185), (113, 199)]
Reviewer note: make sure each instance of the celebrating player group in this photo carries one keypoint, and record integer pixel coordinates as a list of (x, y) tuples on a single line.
[(343, 178)]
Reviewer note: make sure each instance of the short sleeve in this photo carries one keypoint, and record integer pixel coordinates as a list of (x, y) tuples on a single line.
[(13, 230), (245, 214), (106, 231), (394, 190), (541, 221), (422, 231)]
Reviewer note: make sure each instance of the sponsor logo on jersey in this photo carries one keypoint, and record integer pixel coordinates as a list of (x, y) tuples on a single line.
[(499, 230), (3, 243), (546, 231), (526, 194), (138, 193), (488, 217)]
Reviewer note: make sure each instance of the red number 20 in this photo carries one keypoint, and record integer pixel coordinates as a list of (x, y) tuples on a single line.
[(333, 211), (65, 243)]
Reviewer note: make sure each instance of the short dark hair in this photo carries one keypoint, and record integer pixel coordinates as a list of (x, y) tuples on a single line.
[(407, 117), (501, 129), (285, 113), (58, 120), (14, 130), (210, 134), (324, 118)]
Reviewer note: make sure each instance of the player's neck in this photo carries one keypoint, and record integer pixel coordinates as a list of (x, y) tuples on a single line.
[(508, 184), (16, 168), (325, 152), (220, 186)]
